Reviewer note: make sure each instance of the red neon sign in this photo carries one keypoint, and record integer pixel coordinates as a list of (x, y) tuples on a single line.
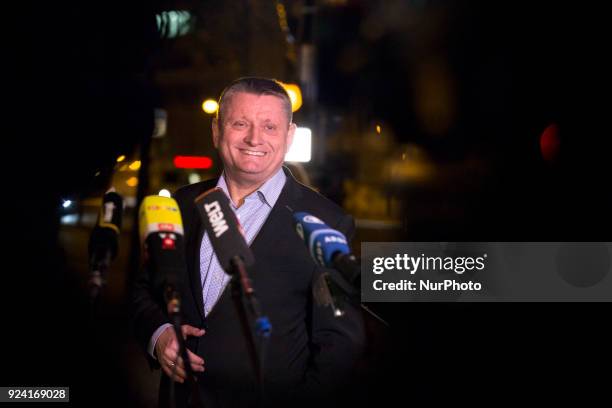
[(193, 162)]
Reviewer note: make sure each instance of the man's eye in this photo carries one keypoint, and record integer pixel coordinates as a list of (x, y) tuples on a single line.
[(239, 124), (270, 127)]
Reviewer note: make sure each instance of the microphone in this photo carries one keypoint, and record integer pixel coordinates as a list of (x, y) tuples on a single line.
[(222, 226), (161, 236), (104, 241), (328, 247), (233, 253)]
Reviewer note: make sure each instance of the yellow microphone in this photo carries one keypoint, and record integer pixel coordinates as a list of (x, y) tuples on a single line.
[(159, 214), (161, 237)]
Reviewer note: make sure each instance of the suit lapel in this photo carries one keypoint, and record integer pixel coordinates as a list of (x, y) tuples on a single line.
[(194, 242), (279, 217)]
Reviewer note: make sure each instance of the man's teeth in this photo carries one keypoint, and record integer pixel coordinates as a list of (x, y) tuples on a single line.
[(252, 153)]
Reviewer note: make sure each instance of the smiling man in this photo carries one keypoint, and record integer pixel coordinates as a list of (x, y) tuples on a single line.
[(311, 354), (252, 132)]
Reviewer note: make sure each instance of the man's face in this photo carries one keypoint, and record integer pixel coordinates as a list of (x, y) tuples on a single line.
[(253, 138)]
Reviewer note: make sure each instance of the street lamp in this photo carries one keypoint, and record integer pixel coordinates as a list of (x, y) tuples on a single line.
[(210, 106)]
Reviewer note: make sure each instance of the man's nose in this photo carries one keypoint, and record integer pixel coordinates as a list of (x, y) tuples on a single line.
[(253, 137)]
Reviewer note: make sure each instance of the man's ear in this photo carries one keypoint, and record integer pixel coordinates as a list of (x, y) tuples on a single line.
[(290, 134), (215, 132)]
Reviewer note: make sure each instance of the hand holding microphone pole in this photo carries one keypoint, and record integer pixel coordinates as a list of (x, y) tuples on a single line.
[(169, 356), (161, 232)]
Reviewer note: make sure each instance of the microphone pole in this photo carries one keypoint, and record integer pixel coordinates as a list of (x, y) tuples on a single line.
[(263, 328), (161, 231), (235, 256), (174, 313), (241, 288)]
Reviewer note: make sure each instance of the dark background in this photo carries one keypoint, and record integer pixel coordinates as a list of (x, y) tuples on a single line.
[(79, 91)]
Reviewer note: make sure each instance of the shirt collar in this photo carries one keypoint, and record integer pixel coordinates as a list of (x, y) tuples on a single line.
[(267, 193)]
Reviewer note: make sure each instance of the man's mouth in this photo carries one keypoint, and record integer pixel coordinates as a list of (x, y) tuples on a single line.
[(252, 152)]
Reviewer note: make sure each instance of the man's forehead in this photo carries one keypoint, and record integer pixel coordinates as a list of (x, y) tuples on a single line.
[(247, 104)]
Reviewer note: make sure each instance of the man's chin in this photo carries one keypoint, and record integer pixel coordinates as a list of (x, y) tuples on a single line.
[(251, 175)]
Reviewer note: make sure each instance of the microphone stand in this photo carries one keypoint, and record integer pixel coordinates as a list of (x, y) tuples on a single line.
[(97, 279), (350, 292), (174, 313), (241, 284)]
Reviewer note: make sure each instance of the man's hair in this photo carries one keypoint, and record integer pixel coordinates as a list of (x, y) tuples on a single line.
[(256, 86)]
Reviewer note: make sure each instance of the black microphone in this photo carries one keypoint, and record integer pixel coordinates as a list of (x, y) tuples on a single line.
[(104, 241), (234, 256), (224, 230), (233, 253)]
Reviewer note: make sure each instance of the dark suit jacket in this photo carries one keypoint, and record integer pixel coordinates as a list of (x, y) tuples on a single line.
[(310, 353)]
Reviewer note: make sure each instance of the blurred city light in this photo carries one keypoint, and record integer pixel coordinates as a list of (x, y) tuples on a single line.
[(135, 165), (120, 158), (210, 106), (194, 178), (161, 122), (193, 162), (295, 94), (435, 95), (284, 26), (301, 147), (67, 203), (378, 129), (69, 219), (550, 143), (415, 165), (132, 181), (172, 24), (164, 193)]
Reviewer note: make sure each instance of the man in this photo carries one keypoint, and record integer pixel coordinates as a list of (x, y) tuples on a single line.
[(311, 353)]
